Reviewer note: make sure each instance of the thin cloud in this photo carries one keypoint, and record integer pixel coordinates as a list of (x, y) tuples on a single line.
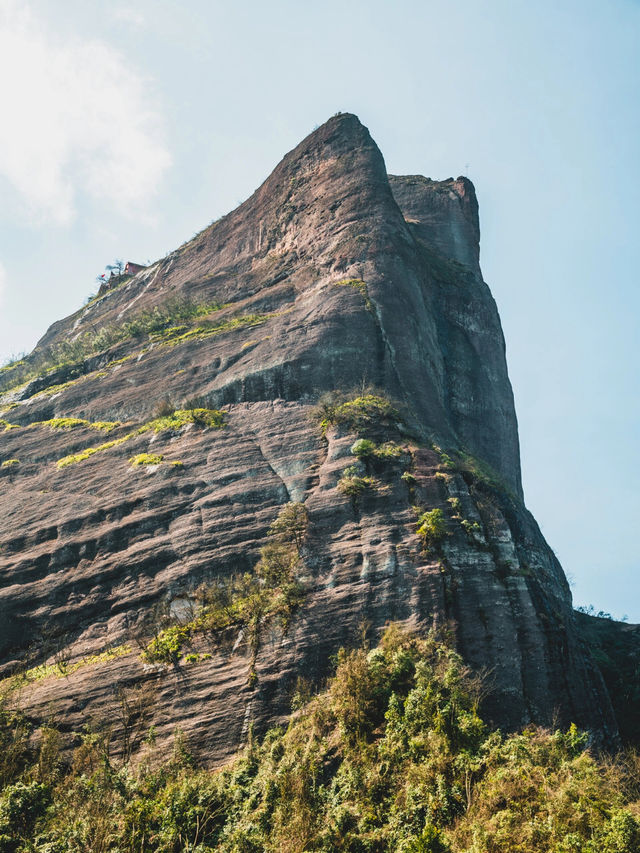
[(77, 121), (127, 15), (3, 283)]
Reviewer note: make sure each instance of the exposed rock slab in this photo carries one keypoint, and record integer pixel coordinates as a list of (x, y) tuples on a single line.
[(90, 551)]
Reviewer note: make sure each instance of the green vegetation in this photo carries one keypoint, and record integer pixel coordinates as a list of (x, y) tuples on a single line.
[(10, 463), (249, 602), (170, 323), (431, 526), (67, 352), (146, 459), (353, 485), (290, 527), (366, 449), (614, 647), (90, 451), (363, 414), (445, 460), (480, 471), (206, 418), (62, 668), (180, 334), (72, 423), (456, 506), (392, 758), (472, 528), (359, 285), (66, 424), (363, 448)]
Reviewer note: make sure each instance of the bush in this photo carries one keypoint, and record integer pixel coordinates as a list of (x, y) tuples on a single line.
[(353, 485), (291, 524), (363, 448), (392, 756), (361, 414), (431, 526)]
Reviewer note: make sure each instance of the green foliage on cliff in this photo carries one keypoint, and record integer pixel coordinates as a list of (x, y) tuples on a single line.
[(146, 459), (392, 758), (431, 526), (73, 352), (206, 418), (366, 449), (249, 602), (352, 484), (72, 423), (362, 414), (359, 285)]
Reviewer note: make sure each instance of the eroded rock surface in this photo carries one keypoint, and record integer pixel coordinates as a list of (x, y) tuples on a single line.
[(333, 275)]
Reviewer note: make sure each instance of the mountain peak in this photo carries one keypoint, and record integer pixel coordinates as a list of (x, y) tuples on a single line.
[(326, 352)]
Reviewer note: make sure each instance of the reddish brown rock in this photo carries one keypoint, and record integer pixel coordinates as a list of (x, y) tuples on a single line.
[(90, 551)]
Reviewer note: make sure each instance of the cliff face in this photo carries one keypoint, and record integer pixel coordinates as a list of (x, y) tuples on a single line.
[(333, 275)]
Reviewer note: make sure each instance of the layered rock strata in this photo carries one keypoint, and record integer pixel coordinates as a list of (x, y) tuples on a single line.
[(332, 276)]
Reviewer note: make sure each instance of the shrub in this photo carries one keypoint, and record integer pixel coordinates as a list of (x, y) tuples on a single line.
[(249, 602), (456, 506), (391, 756), (352, 484), (166, 647), (360, 414), (277, 564), (363, 448), (431, 526), (389, 450), (291, 524), (472, 528)]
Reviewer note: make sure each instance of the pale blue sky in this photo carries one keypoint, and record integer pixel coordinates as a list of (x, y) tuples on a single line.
[(129, 126)]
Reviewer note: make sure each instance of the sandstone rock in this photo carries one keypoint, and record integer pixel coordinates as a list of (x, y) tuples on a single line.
[(331, 276)]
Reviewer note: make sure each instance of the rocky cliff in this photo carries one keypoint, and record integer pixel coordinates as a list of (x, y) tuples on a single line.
[(332, 277)]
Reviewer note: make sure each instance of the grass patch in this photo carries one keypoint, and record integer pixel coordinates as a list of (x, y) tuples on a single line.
[(61, 668), (73, 458), (146, 459), (359, 285), (182, 334), (205, 418), (73, 423)]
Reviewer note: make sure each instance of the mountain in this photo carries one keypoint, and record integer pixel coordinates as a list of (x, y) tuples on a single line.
[(293, 429)]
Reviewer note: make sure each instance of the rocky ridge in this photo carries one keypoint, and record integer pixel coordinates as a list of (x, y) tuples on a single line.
[(333, 275)]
